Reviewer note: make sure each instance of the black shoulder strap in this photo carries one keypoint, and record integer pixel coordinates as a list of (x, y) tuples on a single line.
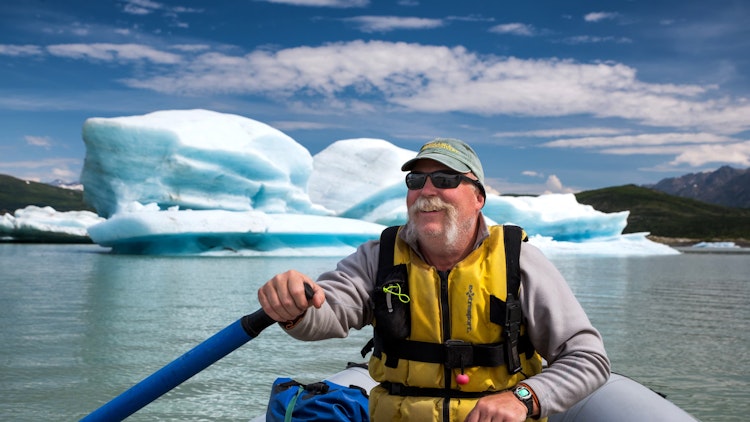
[(387, 246), (385, 264), (512, 237)]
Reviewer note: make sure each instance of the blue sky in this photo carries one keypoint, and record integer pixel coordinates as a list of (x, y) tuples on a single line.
[(555, 96)]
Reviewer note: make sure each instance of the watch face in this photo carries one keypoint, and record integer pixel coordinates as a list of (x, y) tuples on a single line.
[(523, 393)]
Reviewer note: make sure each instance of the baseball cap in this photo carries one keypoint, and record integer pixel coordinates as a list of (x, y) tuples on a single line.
[(454, 153)]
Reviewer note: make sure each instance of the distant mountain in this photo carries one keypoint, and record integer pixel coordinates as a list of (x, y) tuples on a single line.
[(726, 186), (670, 216), (17, 193), (66, 185)]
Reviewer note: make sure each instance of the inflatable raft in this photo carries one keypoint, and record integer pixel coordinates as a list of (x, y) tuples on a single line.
[(620, 399)]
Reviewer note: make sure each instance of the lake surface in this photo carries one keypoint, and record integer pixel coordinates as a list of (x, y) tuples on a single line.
[(80, 326)]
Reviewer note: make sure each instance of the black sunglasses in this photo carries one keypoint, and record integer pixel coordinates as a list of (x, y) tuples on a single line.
[(440, 179)]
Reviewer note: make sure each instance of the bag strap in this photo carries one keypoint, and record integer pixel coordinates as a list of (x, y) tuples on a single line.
[(290, 407)]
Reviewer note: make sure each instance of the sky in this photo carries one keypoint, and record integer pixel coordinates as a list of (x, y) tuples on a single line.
[(554, 96)]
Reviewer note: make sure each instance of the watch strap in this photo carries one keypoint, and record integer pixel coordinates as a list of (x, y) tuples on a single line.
[(525, 396)]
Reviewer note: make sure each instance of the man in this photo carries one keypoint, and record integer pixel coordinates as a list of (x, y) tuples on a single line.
[(441, 342)]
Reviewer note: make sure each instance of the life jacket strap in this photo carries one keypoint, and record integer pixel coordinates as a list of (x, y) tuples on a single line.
[(397, 389), (453, 354)]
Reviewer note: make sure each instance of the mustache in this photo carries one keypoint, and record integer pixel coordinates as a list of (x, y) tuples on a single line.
[(433, 203)]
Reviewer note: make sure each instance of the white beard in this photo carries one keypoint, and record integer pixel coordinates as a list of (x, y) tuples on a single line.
[(449, 235)]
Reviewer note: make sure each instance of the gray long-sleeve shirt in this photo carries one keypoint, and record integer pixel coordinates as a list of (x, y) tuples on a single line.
[(556, 323)]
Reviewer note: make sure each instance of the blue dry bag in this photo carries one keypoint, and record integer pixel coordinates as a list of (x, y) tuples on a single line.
[(320, 401)]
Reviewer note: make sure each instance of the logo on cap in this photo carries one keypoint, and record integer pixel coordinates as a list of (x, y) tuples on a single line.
[(442, 145)]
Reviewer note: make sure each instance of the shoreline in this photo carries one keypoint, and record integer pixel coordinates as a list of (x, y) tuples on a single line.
[(687, 242), (686, 245)]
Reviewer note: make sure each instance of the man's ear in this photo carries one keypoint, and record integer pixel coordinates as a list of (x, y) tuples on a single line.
[(481, 199)]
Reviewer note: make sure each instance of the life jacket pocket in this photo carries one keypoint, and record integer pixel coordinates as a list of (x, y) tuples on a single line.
[(392, 316)]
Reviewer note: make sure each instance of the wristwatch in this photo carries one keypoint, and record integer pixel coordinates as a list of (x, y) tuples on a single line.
[(524, 394)]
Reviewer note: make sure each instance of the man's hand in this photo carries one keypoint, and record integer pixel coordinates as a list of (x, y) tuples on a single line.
[(501, 407), (283, 296)]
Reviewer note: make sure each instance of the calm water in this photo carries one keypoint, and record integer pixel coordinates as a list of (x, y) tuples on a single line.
[(80, 326)]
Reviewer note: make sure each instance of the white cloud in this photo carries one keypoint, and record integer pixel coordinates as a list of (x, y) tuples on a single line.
[(560, 133), (471, 18), (41, 170), (190, 48), (514, 29), (555, 185), (600, 16), (182, 9), (113, 52), (392, 23), (736, 153), (38, 141), (65, 174), (589, 39), (145, 7), (695, 149), (424, 78), (300, 125), (552, 184), (531, 173), (39, 164), (81, 32), (20, 50), (323, 3), (141, 7), (651, 139)]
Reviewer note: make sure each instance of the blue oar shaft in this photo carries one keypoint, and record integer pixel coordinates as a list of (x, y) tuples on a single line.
[(182, 368)]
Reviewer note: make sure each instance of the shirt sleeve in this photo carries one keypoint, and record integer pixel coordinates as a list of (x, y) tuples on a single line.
[(348, 302), (561, 332)]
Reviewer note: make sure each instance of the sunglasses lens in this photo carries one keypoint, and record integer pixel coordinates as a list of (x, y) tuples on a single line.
[(415, 180), (445, 180)]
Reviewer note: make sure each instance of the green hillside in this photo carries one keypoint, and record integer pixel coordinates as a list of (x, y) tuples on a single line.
[(16, 193), (665, 215)]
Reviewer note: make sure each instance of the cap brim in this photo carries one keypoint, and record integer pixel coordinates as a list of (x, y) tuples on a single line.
[(451, 162)]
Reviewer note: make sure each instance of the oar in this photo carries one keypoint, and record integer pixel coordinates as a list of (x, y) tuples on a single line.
[(179, 370)]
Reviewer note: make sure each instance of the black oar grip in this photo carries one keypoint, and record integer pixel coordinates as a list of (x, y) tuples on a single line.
[(258, 321)]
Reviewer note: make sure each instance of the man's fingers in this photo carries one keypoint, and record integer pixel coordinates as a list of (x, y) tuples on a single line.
[(283, 297)]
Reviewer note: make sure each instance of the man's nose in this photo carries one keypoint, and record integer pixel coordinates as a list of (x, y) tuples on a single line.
[(429, 188)]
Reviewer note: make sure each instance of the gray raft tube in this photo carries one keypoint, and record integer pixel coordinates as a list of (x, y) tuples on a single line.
[(620, 399)]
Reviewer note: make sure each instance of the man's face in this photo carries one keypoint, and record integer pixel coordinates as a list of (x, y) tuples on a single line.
[(442, 214)]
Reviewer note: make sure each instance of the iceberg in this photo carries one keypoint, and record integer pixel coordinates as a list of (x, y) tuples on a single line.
[(196, 159), (361, 179), (717, 245), (45, 224), (559, 216), (203, 182), (149, 230)]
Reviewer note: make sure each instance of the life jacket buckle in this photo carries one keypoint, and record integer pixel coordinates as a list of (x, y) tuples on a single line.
[(458, 354)]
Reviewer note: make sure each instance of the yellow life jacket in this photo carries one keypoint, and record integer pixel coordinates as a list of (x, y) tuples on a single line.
[(431, 326)]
